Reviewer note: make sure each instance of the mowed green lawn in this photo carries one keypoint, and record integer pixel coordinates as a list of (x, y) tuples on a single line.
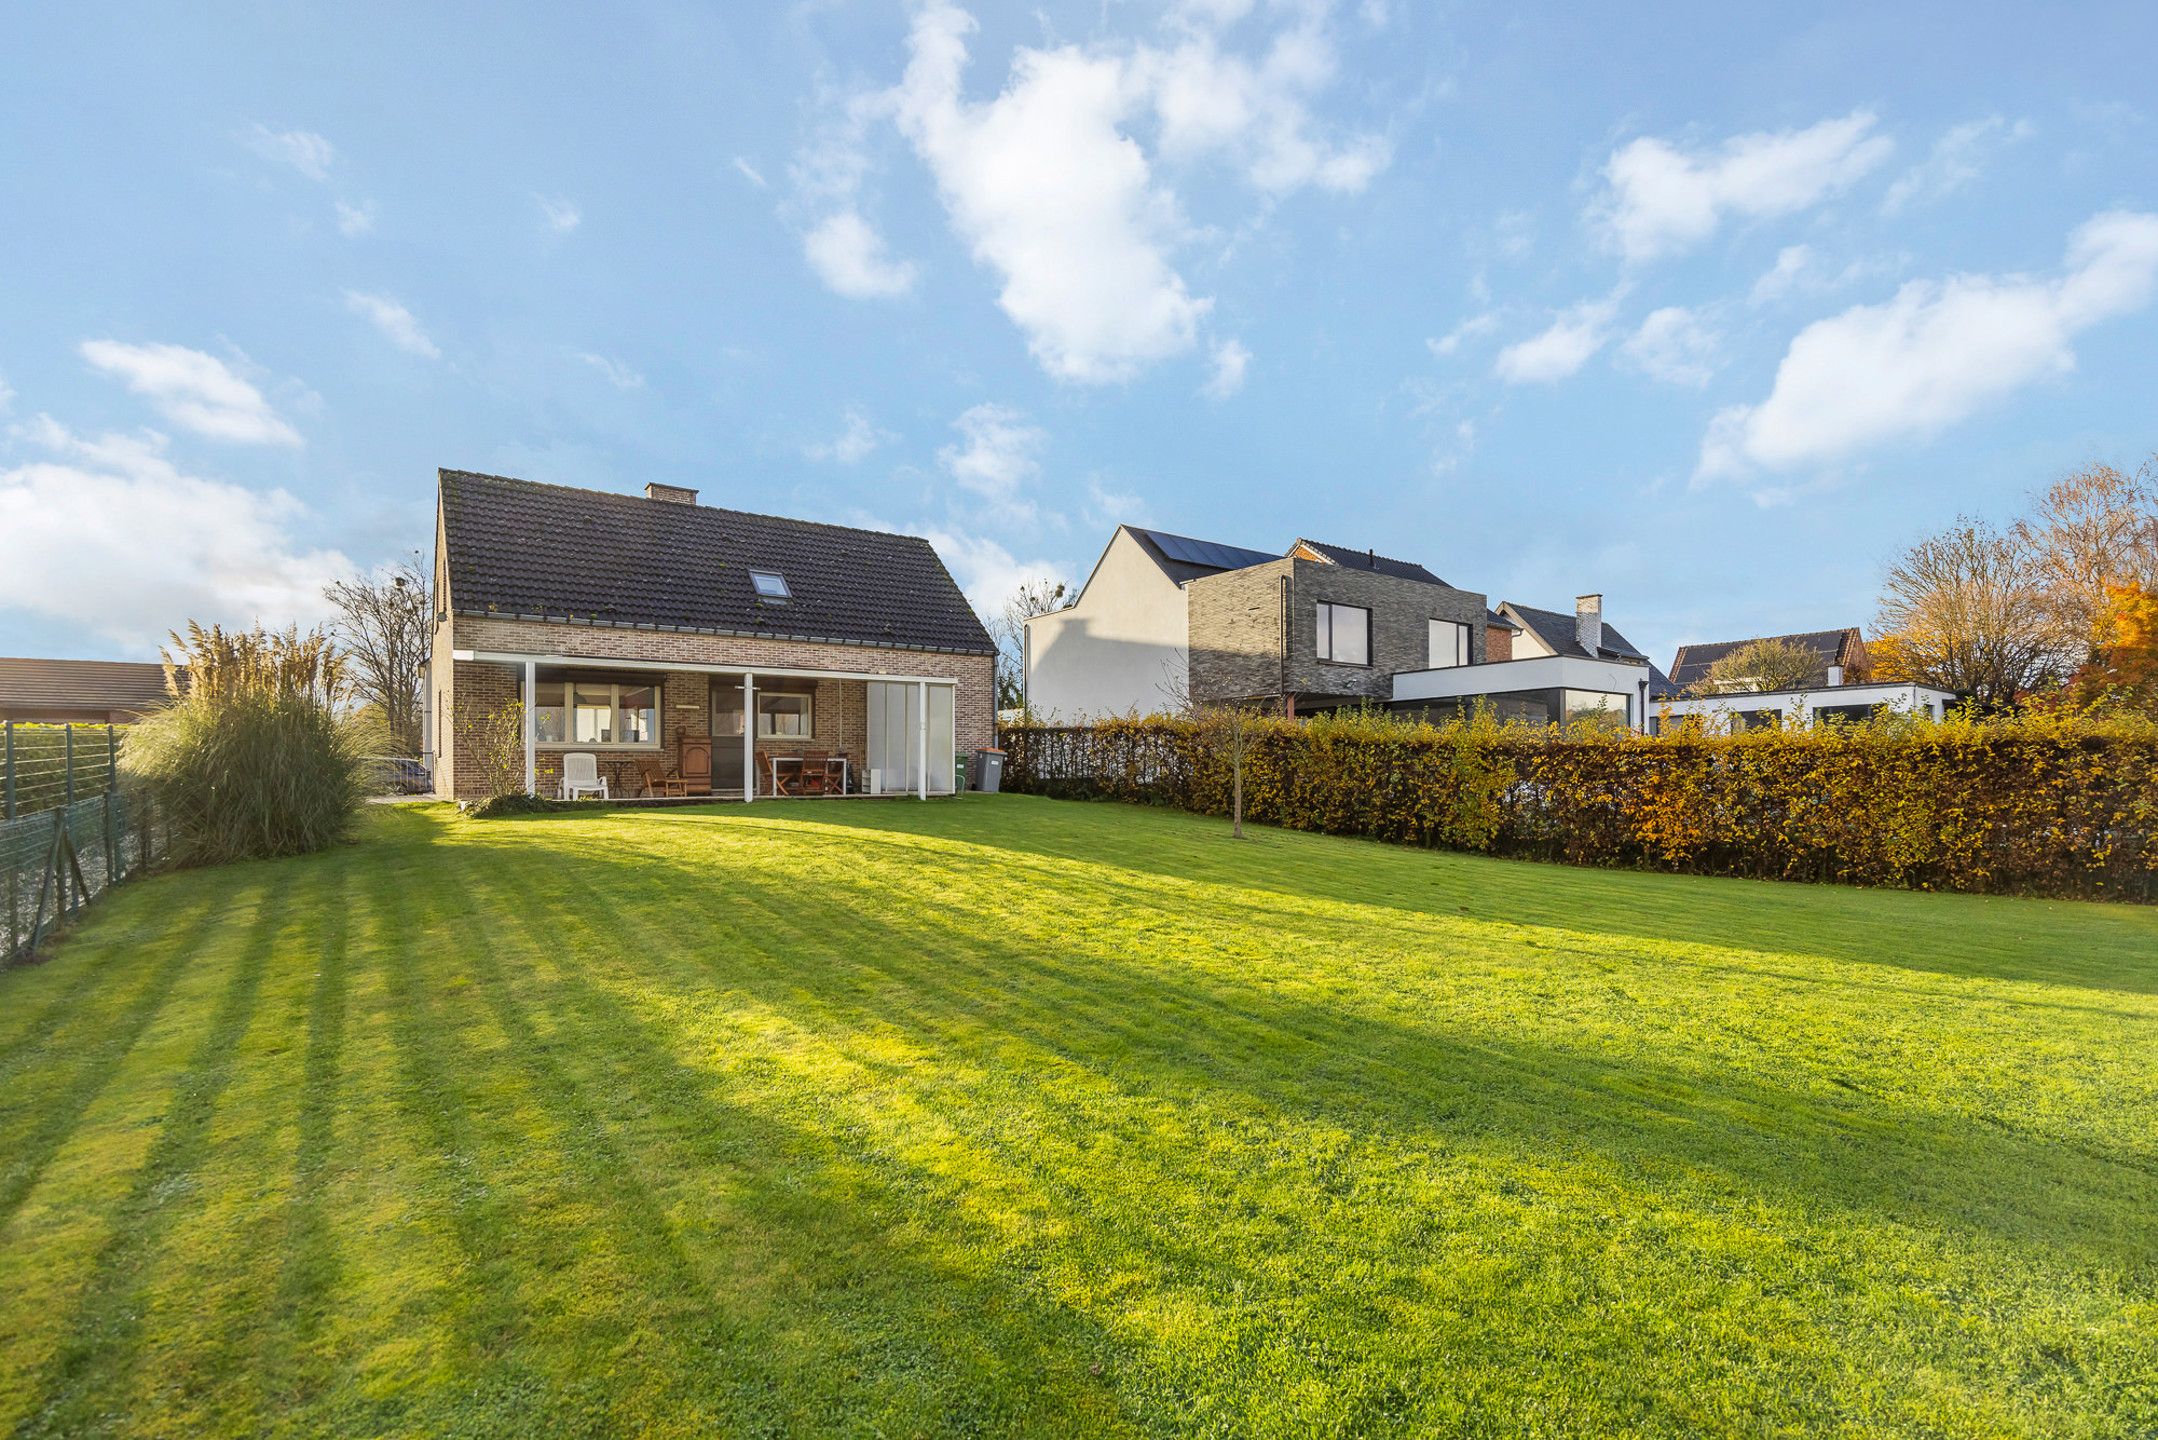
[(1005, 1116)]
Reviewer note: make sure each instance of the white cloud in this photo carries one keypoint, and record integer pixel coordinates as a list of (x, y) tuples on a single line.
[(986, 571), (857, 439), (621, 376), (1208, 14), (1046, 189), (998, 457), (1231, 360), (396, 323), (193, 389), (1792, 262), (1473, 328), (110, 533), (558, 213), (1209, 101), (1958, 158), (750, 172), (1673, 344), (849, 255), (1560, 350), (303, 150), (355, 219), (7, 396), (1662, 200), (1106, 509), (1934, 354), (1051, 188)]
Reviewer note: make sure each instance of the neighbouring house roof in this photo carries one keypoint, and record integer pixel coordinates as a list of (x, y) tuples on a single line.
[(1559, 630), (1367, 560), (1493, 617), (1834, 647), (1184, 558), (58, 686), (518, 549)]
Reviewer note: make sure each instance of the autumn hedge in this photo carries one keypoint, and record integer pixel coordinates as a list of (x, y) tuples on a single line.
[(2038, 805)]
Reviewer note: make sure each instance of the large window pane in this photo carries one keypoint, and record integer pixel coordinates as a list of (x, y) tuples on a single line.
[(640, 715), (548, 710), (592, 715), (1449, 644), (1344, 634), (783, 716)]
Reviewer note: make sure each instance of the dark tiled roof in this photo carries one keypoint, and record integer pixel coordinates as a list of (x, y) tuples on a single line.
[(1493, 617), (61, 685), (1691, 665), (1187, 559), (1371, 560), (521, 549), (1560, 631)]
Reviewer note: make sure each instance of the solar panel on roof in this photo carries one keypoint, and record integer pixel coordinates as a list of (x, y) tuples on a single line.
[(1187, 551)]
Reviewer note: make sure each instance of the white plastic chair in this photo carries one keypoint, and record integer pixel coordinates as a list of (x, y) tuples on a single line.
[(581, 777)]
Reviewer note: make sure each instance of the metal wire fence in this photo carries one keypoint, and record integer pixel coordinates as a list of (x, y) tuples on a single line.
[(69, 831)]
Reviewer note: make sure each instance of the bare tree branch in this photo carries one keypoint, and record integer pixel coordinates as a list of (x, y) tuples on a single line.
[(383, 625)]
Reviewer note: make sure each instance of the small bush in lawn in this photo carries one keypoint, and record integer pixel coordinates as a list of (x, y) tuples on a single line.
[(254, 756)]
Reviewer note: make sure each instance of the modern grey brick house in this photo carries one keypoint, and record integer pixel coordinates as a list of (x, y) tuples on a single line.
[(1167, 621)]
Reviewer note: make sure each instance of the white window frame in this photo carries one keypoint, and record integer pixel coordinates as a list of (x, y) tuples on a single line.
[(571, 684), (1457, 649), (809, 714), (1325, 625)]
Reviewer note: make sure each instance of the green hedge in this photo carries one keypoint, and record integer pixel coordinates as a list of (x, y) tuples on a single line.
[(2038, 805)]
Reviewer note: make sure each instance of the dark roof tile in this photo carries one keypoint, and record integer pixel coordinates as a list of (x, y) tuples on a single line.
[(518, 548), (1371, 560), (1692, 663), (57, 685), (1560, 631)]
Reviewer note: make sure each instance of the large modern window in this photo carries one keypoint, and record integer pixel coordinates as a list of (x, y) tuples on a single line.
[(1344, 634), (786, 715), (1449, 644), (595, 712), (549, 717)]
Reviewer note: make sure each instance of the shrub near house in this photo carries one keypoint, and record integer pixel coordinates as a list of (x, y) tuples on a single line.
[(2042, 804), (254, 759)]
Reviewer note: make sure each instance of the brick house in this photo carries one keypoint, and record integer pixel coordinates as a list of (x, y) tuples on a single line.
[(1166, 621), (716, 647)]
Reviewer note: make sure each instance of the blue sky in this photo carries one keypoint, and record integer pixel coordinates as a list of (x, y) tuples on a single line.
[(1708, 308)]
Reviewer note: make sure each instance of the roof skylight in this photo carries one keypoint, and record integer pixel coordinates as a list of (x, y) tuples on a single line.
[(770, 585)]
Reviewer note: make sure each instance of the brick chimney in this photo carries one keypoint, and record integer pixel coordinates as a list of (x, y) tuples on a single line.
[(1589, 622), (672, 494)]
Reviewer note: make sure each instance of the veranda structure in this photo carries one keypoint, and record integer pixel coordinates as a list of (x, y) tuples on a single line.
[(668, 637), (892, 729)]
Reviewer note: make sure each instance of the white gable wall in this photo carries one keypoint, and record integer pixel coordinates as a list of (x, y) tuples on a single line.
[(1119, 650)]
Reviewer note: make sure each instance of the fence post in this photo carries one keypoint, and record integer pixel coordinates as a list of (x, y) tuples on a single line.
[(68, 733), (112, 761), (59, 832), (7, 812)]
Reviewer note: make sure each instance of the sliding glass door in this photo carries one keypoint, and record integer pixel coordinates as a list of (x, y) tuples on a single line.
[(895, 738)]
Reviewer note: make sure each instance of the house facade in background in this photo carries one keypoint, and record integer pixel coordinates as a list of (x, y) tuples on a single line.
[(1841, 655), (1121, 646), (1843, 688), (1166, 620), (715, 647), (80, 692)]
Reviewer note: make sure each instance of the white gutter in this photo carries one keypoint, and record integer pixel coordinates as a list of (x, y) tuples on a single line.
[(609, 662)]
